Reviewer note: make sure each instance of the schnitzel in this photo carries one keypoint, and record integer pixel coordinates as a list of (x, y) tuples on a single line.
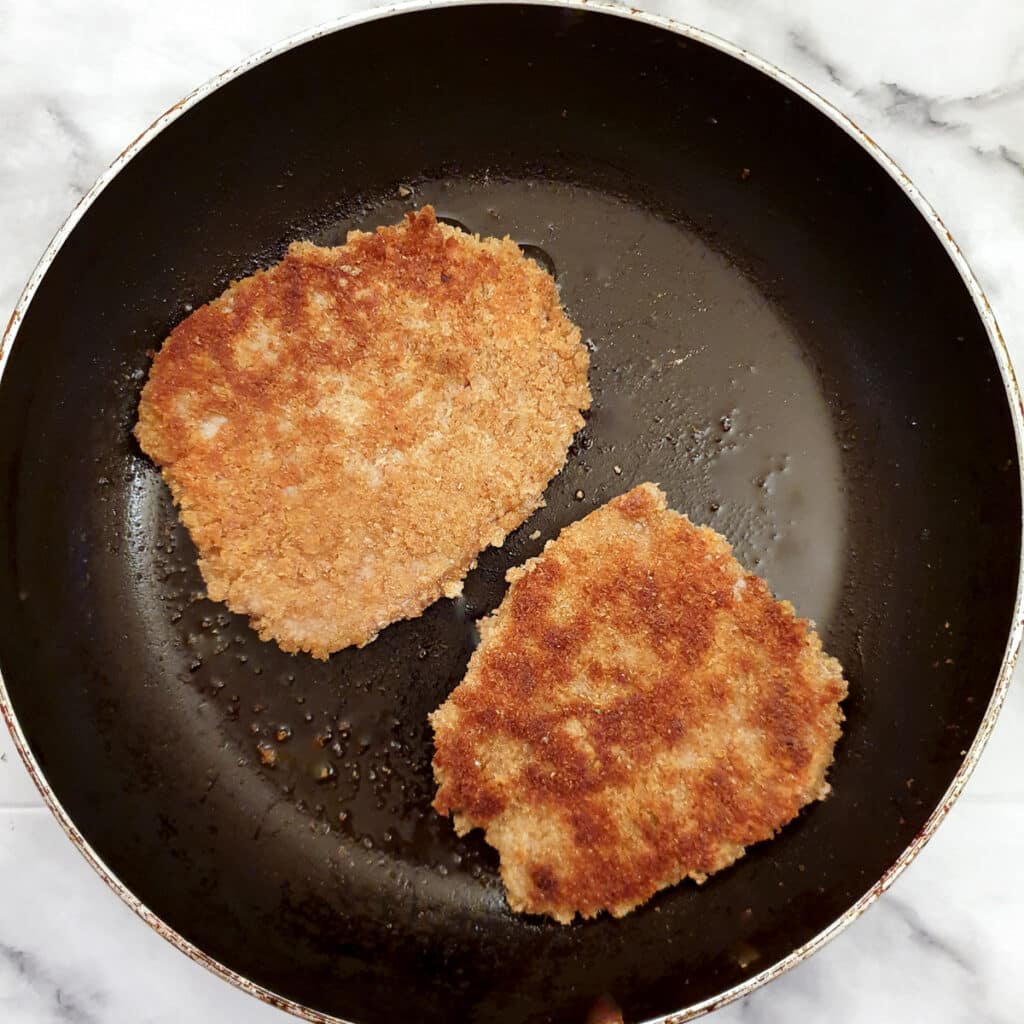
[(639, 710), (345, 432)]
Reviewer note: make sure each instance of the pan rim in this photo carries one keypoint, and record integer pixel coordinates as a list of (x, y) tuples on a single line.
[(823, 106)]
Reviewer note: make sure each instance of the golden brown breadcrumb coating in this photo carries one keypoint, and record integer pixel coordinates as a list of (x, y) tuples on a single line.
[(346, 431), (640, 709)]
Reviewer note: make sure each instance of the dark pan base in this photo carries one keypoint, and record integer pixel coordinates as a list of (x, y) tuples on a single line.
[(787, 349)]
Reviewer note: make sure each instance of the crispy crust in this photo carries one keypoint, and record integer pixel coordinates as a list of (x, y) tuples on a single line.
[(639, 710), (345, 432)]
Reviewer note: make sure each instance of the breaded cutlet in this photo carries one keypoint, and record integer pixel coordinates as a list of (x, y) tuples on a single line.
[(345, 432), (639, 710)]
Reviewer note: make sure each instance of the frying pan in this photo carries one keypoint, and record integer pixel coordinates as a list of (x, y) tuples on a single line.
[(782, 335)]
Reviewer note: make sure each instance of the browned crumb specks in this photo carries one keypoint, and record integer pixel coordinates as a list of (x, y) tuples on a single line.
[(346, 431), (639, 709)]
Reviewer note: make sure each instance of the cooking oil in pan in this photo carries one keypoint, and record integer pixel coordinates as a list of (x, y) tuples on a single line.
[(698, 384)]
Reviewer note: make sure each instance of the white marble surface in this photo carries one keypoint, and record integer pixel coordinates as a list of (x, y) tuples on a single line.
[(938, 83)]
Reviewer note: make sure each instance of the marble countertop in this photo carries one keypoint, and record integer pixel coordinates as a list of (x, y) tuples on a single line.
[(938, 84)]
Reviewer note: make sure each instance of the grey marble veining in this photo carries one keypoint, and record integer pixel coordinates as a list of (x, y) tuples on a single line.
[(939, 85)]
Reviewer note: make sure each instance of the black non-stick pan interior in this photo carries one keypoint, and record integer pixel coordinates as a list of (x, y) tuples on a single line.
[(777, 337)]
